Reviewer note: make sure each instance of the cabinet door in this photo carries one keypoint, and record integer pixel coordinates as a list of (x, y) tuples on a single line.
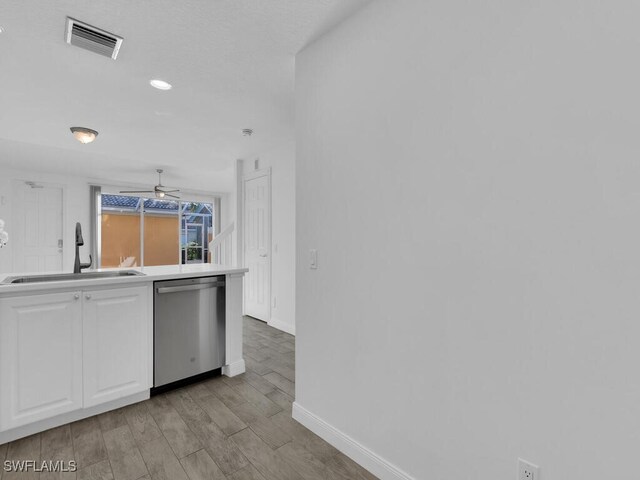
[(117, 329), (40, 357)]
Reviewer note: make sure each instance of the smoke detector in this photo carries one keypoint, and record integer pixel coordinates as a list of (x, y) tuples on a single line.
[(92, 38), (247, 132)]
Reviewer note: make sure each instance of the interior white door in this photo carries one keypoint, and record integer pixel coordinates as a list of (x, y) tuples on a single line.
[(257, 246), (37, 237)]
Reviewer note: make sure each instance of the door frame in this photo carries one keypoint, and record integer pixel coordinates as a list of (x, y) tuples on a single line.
[(16, 183), (263, 172)]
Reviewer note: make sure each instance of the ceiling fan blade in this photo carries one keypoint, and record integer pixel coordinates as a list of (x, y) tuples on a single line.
[(136, 191), (172, 196), (167, 191)]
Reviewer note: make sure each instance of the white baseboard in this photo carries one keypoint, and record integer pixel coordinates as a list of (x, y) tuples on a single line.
[(285, 327), (46, 424), (235, 368), (347, 445)]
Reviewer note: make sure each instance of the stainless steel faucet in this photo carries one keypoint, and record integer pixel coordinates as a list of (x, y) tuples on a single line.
[(78, 266)]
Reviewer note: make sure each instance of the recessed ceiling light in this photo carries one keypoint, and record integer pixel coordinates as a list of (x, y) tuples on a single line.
[(160, 84), (84, 135)]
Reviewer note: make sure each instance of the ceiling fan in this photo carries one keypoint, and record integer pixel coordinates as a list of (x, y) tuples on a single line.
[(159, 190)]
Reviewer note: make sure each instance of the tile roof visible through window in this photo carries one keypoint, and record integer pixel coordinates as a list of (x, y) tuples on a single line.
[(152, 204), (126, 203), (119, 202), (132, 204)]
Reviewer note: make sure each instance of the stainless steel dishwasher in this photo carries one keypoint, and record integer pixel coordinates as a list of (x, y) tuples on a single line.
[(189, 330)]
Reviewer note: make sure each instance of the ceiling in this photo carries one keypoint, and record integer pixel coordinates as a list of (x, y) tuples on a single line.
[(231, 64)]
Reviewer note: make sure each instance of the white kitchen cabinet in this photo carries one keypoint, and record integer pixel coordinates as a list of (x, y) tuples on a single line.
[(71, 350), (40, 357), (117, 328), (67, 351)]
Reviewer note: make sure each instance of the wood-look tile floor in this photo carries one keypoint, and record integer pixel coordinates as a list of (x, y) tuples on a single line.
[(220, 429)]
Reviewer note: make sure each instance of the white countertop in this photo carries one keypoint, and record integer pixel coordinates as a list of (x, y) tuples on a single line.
[(151, 274)]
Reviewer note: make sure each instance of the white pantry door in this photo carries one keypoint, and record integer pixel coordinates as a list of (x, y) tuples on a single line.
[(257, 245), (37, 235)]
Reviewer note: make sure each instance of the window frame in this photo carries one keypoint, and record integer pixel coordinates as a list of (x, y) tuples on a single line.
[(96, 193)]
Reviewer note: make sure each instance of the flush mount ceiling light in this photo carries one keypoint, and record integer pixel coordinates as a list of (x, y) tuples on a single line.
[(84, 135), (160, 84)]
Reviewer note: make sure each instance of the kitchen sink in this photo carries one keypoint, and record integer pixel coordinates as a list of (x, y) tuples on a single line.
[(63, 277)]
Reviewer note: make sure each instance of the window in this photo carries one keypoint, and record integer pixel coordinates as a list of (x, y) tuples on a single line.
[(161, 221), (196, 231), (138, 231)]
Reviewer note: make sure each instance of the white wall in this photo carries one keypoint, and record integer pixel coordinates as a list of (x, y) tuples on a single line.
[(76, 209), (227, 209), (281, 160), (470, 175)]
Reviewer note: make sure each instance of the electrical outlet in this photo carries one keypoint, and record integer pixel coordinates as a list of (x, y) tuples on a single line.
[(527, 470), (313, 259)]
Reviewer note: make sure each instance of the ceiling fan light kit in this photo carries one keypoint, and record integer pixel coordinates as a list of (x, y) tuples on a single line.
[(159, 191)]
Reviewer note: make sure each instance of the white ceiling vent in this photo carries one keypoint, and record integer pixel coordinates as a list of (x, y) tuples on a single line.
[(91, 38)]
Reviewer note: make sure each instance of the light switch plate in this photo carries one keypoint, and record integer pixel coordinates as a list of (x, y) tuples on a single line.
[(313, 259)]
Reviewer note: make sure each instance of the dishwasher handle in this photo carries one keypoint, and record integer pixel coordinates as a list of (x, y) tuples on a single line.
[(186, 288)]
